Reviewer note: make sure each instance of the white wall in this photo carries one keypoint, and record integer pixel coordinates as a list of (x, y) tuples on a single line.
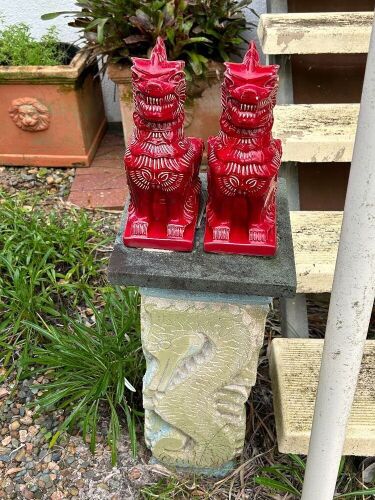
[(29, 11)]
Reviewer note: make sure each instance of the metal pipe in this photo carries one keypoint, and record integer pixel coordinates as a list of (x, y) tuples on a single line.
[(350, 307)]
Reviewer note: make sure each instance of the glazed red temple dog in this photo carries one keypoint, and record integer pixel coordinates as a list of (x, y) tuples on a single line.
[(243, 162), (161, 164)]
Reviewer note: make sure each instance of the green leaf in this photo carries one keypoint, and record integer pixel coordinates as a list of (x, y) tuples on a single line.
[(195, 63), (297, 460), (195, 39), (53, 15), (275, 485), (99, 24), (54, 439), (365, 493)]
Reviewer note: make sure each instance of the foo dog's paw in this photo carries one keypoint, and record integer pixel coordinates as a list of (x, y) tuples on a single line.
[(175, 230), (139, 228), (257, 235), (220, 233)]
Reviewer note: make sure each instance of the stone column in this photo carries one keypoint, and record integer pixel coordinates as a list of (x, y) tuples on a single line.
[(202, 355)]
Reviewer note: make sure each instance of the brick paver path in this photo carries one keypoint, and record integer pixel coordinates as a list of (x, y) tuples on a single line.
[(103, 184)]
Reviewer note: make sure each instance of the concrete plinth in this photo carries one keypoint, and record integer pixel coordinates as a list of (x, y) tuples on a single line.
[(202, 356)]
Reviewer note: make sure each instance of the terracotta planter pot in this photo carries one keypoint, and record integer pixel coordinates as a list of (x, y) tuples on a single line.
[(202, 112), (50, 115)]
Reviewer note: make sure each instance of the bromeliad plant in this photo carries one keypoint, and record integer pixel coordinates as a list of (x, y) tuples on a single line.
[(195, 31)]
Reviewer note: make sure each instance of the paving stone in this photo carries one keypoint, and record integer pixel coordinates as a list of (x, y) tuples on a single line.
[(103, 184), (110, 179), (107, 198), (109, 160)]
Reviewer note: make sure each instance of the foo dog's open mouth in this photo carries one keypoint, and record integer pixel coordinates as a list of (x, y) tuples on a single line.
[(157, 104), (244, 111)]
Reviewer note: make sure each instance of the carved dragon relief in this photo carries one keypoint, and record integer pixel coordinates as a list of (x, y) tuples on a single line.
[(201, 365)]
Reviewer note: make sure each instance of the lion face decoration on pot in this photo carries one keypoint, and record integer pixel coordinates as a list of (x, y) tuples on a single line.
[(161, 164), (243, 162), (29, 114)]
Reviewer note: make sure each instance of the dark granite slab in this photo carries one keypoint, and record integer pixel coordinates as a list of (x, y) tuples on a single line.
[(199, 271)]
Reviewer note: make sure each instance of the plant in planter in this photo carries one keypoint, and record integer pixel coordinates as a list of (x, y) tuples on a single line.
[(51, 110), (203, 33)]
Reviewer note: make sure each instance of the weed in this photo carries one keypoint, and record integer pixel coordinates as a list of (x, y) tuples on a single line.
[(172, 488), (287, 478)]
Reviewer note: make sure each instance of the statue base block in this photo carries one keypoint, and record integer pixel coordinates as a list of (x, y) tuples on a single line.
[(238, 244), (157, 238)]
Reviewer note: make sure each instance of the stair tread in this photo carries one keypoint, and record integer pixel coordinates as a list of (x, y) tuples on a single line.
[(295, 365), (316, 132), (315, 33), (316, 237)]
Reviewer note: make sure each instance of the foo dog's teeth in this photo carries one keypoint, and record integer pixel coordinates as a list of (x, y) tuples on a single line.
[(248, 107)]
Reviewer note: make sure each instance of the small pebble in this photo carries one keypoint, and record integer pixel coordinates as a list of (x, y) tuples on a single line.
[(56, 456), (15, 443), (26, 420), (20, 455), (14, 425), (57, 495), (23, 436), (33, 430), (29, 495), (6, 441), (3, 392)]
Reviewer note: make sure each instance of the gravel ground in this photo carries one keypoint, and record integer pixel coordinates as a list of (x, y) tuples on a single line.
[(53, 182), (30, 469)]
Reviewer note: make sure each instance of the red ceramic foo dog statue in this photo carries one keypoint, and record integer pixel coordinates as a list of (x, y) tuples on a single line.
[(162, 165), (243, 162)]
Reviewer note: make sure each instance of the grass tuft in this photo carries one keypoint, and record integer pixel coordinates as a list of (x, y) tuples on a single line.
[(48, 263), (51, 269), (92, 366)]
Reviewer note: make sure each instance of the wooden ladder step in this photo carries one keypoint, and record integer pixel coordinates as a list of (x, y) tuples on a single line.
[(316, 132), (316, 238), (315, 33), (294, 365)]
